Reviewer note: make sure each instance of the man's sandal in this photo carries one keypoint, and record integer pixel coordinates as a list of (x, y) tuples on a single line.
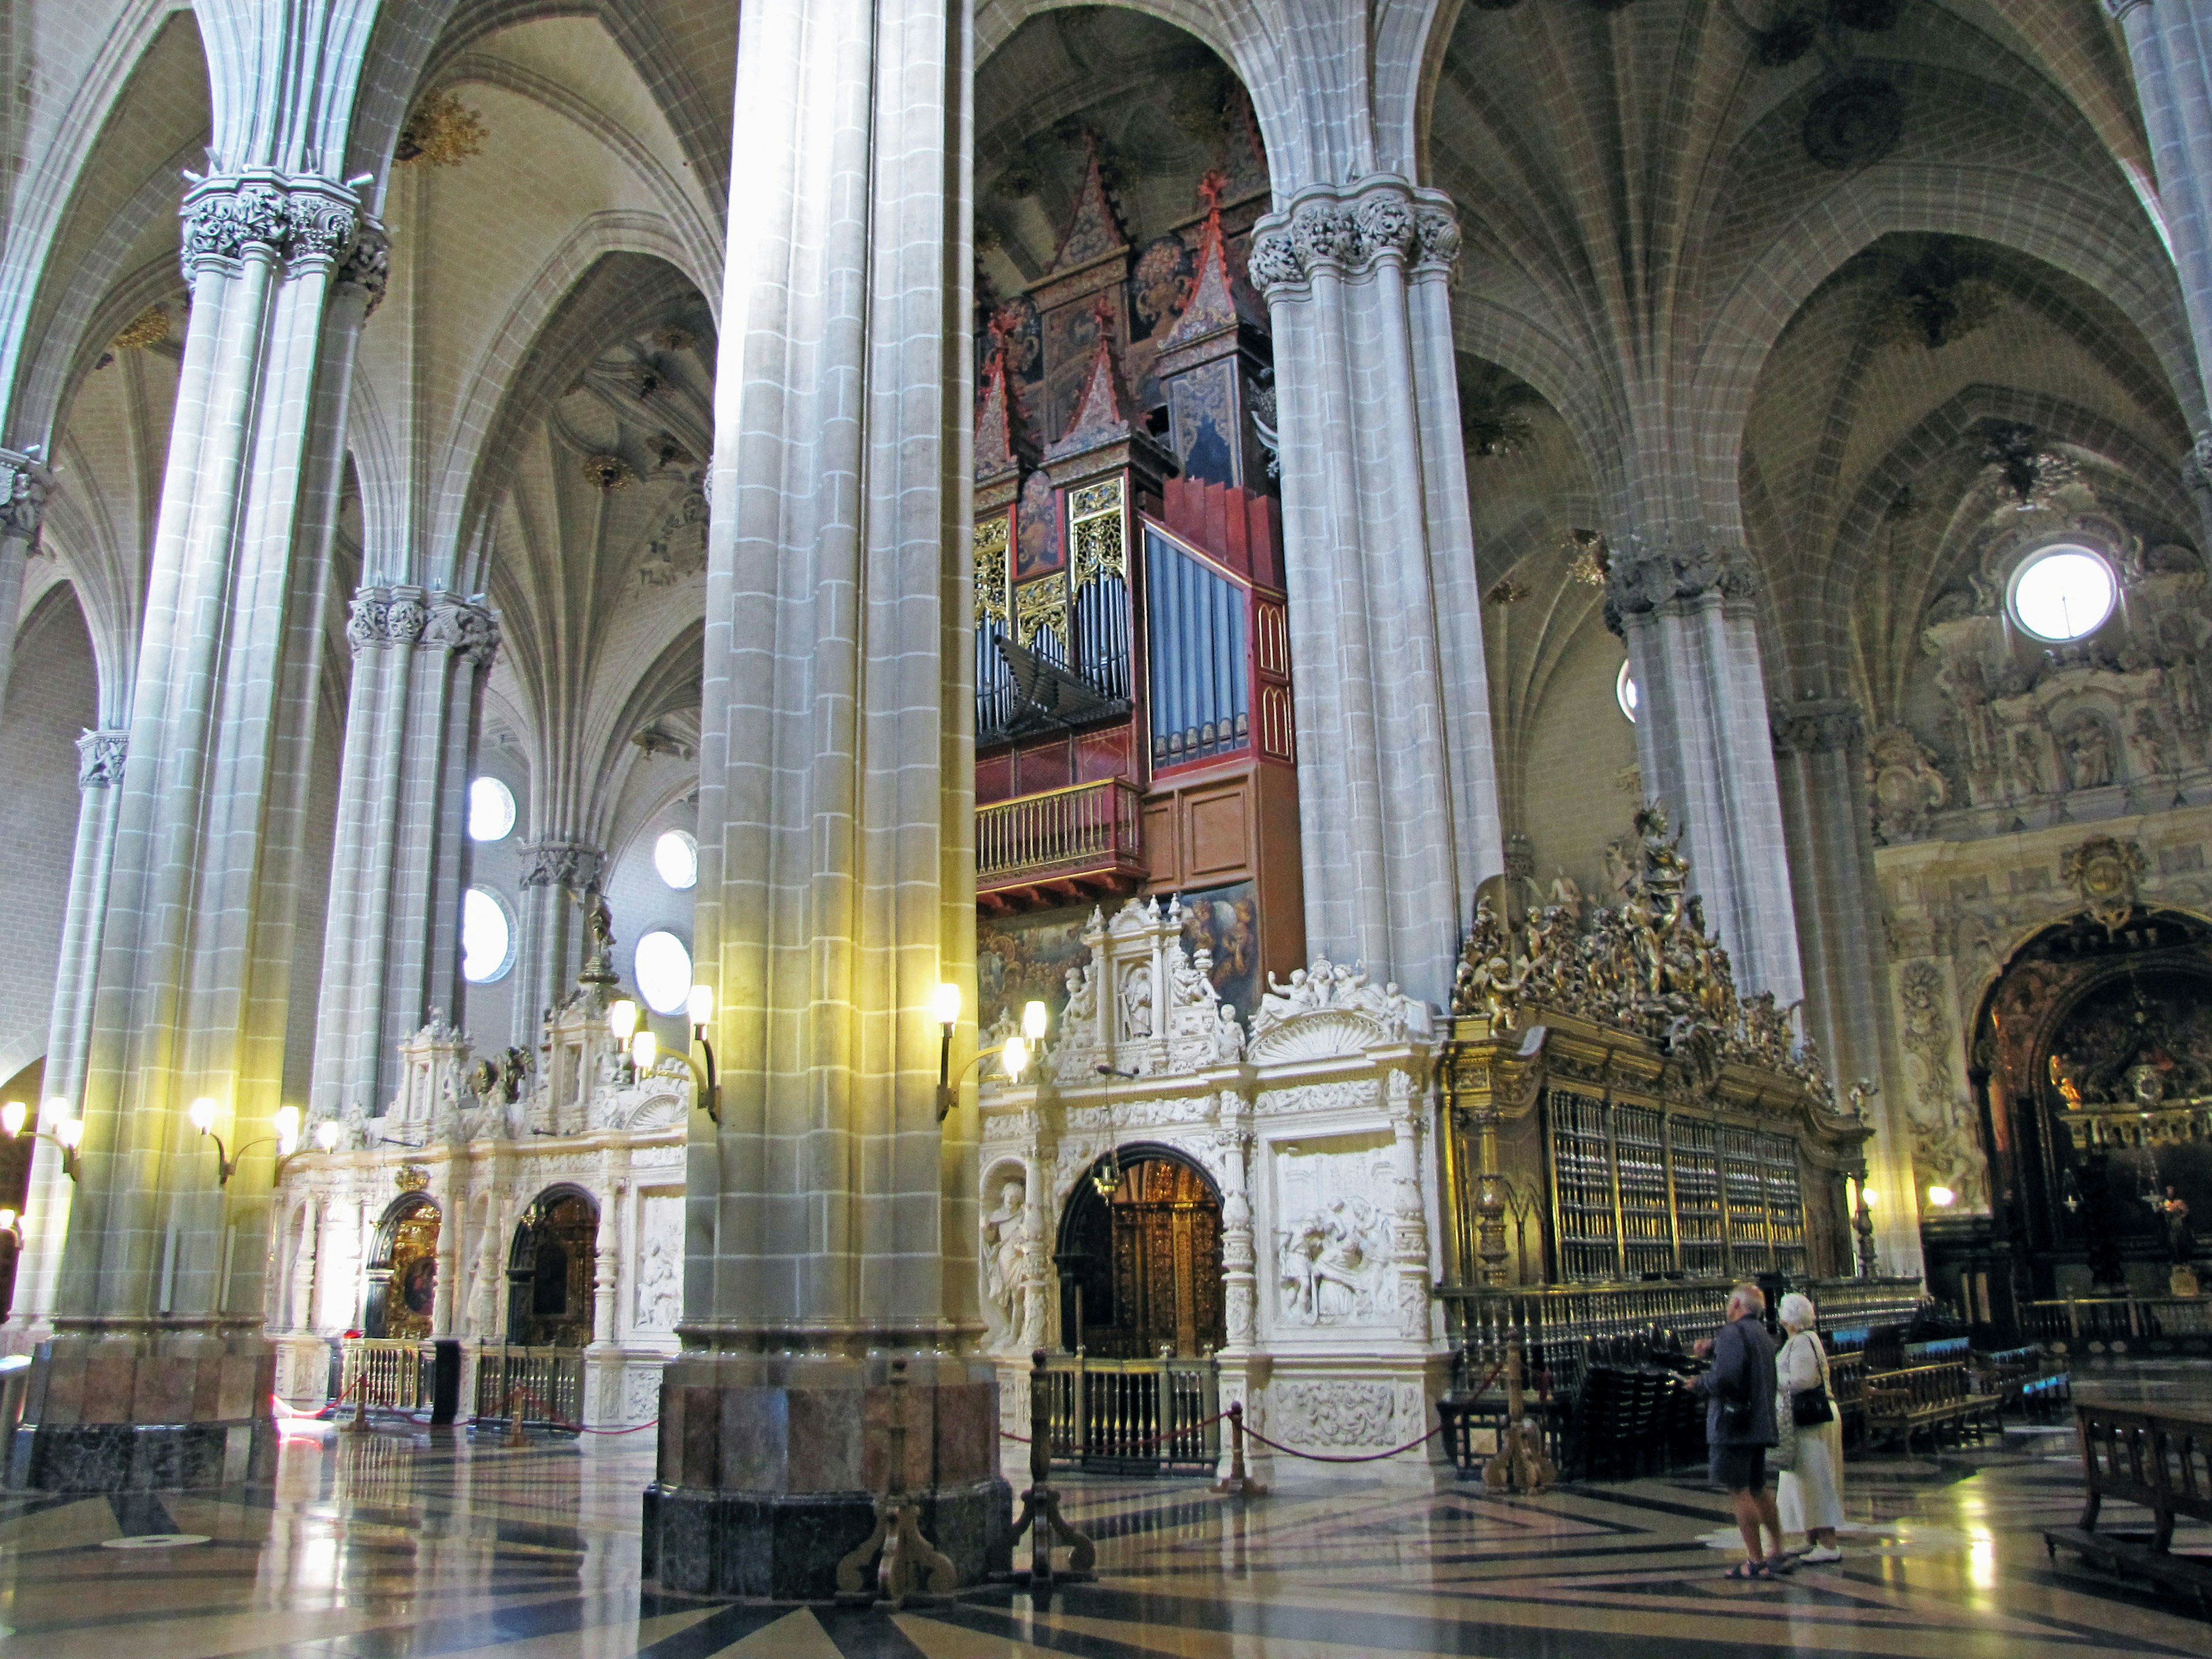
[(1748, 1570)]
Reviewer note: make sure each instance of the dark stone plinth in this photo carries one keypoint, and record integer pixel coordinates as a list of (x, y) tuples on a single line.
[(141, 1457), (145, 1410), (785, 1546)]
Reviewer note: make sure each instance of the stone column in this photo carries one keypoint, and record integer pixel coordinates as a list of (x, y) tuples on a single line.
[(556, 874), (392, 946), (1397, 787), (1684, 609), (303, 1368), (1820, 749), (47, 1206), (832, 1219), (2170, 45), (603, 1360), (159, 1372), (1402, 1104), (23, 479)]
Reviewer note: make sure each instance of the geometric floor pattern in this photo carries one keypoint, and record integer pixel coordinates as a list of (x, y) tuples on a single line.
[(393, 1546)]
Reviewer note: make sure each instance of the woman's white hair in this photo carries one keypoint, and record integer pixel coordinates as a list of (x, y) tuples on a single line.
[(1796, 1312)]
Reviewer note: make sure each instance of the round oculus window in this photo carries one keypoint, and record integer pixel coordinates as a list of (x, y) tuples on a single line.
[(491, 810), (2062, 593), (664, 972), (1627, 693), (676, 855), (487, 937)]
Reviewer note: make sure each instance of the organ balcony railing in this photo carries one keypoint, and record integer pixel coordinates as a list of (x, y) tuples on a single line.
[(1085, 840)]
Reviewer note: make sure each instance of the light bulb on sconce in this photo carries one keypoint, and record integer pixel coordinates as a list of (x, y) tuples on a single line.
[(202, 1113), (621, 1019), (947, 1003), (13, 1117), (700, 1008), (1036, 1016), (1941, 1197), (326, 1135), (70, 1131), (1014, 1057), (288, 1131), (644, 1052)]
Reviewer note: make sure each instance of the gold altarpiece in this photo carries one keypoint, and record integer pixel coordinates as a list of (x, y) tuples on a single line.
[(1619, 1121)]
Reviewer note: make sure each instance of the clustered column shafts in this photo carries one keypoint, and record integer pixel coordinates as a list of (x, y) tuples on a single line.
[(1397, 784), (391, 948), (23, 482)]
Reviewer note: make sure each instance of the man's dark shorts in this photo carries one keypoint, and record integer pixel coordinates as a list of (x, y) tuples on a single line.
[(1740, 1468)]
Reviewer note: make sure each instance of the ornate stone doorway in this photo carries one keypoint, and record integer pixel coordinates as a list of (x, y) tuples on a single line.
[(1140, 1271), (550, 1269), (403, 1276), (2092, 1054)]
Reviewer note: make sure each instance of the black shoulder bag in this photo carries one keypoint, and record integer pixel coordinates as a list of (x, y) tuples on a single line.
[(1809, 1407)]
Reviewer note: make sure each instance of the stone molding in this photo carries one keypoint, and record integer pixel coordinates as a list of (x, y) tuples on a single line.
[(387, 616), (23, 480), (304, 221), (1816, 726), (572, 864), (100, 757), (1352, 231), (1642, 579)]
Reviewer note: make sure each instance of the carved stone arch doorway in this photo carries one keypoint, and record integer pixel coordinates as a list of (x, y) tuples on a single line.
[(403, 1274), (2092, 1063), (1140, 1270), (551, 1265)]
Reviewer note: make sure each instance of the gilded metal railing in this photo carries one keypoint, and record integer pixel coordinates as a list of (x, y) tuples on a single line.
[(1086, 825), (546, 1385), (1132, 1415), (389, 1373), (2117, 1318)]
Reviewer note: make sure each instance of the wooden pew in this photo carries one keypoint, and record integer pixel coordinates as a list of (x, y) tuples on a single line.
[(1900, 1404), (2160, 1458)]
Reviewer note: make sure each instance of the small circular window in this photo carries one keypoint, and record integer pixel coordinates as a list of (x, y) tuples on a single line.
[(2063, 592), (1626, 692), (676, 855), (664, 972), (487, 937), (491, 810)]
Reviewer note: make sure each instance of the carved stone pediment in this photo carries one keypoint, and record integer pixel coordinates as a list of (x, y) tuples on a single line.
[(1324, 1034)]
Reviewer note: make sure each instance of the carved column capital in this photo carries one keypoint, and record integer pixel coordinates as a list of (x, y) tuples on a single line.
[(304, 221), (367, 264), (1349, 232), (572, 864), (1643, 577), (1816, 726), (466, 627), (2196, 465), (23, 480), (100, 757), (387, 616)]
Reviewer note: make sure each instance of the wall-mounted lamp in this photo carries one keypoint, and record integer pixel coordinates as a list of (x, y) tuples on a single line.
[(643, 1048), (1942, 1198), (285, 1120), (1014, 1053), (68, 1133)]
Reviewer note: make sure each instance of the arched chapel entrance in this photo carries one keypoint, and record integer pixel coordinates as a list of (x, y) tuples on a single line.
[(2093, 1061), (402, 1276), (550, 1271), (1141, 1268)]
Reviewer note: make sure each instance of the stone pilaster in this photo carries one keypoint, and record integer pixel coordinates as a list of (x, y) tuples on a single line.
[(101, 757), (831, 1225), (557, 876), (159, 1373), (1397, 786), (392, 945), (1685, 610), (1820, 749)]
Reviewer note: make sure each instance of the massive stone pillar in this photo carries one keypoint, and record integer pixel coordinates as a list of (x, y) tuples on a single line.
[(831, 1225), (2170, 44), (392, 943), (23, 480), (158, 1373), (1702, 735), (1397, 788), (47, 1206), (1820, 748)]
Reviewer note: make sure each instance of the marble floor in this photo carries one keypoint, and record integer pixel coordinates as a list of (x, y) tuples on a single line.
[(397, 1545)]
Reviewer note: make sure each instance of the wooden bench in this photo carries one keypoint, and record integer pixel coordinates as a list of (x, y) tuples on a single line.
[(1901, 1404), (2160, 1459), (2025, 1380)]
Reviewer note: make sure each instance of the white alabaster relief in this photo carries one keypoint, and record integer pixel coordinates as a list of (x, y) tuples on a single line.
[(1006, 1247), (659, 1263), (1332, 1241), (1333, 1415)]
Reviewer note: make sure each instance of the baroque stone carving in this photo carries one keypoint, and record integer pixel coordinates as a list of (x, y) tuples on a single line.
[(1903, 784), (1944, 1152), (1377, 1014), (1645, 964), (1324, 1415), (2105, 874), (100, 757)]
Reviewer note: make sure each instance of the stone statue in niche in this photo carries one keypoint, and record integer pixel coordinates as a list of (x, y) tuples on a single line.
[(2151, 754), (657, 1298), (1331, 1262), (1228, 1035), (1082, 998), (1005, 1251), (2089, 752), (1137, 1003), (2024, 763)]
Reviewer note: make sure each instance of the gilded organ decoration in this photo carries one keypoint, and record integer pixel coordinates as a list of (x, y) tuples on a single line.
[(1096, 531), (1041, 608), (992, 541)]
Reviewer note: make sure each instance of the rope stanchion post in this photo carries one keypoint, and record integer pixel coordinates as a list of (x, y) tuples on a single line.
[(910, 1568), (358, 1423), (1239, 1484), (1520, 1464), (1040, 1503), (516, 1438)]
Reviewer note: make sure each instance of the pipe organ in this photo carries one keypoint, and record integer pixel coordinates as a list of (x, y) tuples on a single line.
[(1133, 722)]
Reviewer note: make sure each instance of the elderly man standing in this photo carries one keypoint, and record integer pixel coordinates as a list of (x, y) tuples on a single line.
[(1739, 1392)]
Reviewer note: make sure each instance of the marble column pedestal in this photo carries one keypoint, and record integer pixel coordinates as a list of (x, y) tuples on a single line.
[(769, 1465), (145, 1407)]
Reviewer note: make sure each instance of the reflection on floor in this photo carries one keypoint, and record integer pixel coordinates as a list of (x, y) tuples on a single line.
[(392, 1546)]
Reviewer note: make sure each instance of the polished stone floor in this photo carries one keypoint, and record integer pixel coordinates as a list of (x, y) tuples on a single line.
[(393, 1546)]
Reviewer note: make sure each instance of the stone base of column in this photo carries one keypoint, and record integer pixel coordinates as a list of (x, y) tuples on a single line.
[(303, 1371), (141, 1411), (769, 1467)]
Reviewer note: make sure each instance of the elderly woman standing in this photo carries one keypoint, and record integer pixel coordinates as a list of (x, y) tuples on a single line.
[(1811, 1497)]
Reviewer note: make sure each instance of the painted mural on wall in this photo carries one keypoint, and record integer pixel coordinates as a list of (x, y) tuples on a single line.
[(1025, 957), (1224, 922)]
